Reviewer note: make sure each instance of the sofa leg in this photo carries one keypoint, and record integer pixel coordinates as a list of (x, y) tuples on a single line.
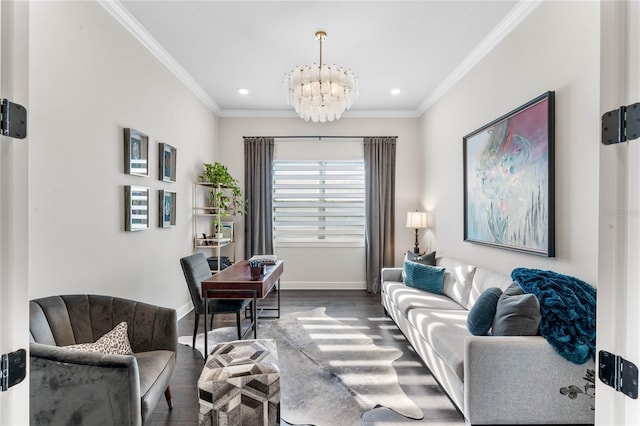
[(167, 395)]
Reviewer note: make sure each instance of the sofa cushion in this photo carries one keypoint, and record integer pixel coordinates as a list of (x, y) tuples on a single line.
[(424, 277), (406, 298), (517, 314), (114, 342), (457, 285), (156, 368), (445, 332), (484, 310), (484, 279)]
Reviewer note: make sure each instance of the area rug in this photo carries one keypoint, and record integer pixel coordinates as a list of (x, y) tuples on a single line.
[(330, 372)]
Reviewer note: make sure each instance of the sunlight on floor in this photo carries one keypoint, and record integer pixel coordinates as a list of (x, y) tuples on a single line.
[(379, 319), (354, 336), (334, 327), (359, 363), (417, 379), (340, 348), (327, 319), (407, 364)]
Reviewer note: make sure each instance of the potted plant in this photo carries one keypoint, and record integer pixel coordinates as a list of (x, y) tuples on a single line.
[(225, 194)]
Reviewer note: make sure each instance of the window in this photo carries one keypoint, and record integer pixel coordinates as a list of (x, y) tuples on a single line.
[(318, 203)]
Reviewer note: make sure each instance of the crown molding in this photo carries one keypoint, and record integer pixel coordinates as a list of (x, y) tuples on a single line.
[(508, 23), (115, 8), (290, 113)]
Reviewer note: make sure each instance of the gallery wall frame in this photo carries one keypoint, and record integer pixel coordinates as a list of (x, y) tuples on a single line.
[(167, 210), (508, 166), (167, 156), (136, 208), (136, 153)]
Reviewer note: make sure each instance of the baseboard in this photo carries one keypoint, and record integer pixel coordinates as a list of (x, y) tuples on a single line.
[(184, 310), (322, 285)]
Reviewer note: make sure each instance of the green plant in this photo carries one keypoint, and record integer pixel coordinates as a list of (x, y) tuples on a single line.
[(218, 175)]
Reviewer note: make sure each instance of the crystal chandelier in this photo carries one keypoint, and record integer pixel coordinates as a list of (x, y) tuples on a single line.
[(320, 92)]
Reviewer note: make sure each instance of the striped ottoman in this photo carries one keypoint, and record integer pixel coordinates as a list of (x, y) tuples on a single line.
[(240, 384)]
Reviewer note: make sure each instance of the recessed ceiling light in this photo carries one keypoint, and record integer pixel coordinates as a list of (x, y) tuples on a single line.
[(395, 91), (243, 91)]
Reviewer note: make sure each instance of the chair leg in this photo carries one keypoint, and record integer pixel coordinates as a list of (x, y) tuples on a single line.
[(195, 330), (238, 325), (167, 395)]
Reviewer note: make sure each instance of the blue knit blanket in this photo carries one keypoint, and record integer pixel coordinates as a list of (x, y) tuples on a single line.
[(568, 310)]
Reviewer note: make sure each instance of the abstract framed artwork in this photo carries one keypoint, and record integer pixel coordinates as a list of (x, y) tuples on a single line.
[(136, 153), (167, 167), (136, 208), (509, 180), (167, 208)]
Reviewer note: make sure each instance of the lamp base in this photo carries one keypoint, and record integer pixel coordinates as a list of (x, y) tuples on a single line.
[(416, 249)]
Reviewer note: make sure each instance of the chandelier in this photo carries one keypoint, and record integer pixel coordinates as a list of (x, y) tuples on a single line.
[(320, 93)]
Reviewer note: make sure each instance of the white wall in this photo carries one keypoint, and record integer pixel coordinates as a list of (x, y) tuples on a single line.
[(555, 48), (90, 78), (336, 268)]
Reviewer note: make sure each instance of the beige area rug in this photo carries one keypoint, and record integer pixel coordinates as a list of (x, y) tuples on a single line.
[(330, 372)]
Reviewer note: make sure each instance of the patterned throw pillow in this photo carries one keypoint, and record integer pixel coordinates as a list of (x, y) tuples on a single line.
[(423, 277), (115, 342)]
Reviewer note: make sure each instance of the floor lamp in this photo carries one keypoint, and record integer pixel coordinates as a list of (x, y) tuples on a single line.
[(416, 220)]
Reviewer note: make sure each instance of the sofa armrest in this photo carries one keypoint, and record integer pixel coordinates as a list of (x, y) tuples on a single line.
[(155, 328), (391, 274), (517, 379), (71, 387)]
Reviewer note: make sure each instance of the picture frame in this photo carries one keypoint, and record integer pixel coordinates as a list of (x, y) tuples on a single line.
[(167, 162), (227, 230), (136, 153), (136, 208), (167, 208), (509, 180)]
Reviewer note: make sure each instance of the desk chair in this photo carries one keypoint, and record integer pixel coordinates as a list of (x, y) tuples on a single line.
[(196, 269)]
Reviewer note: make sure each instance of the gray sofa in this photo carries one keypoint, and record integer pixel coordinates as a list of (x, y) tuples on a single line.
[(88, 388), (491, 379)]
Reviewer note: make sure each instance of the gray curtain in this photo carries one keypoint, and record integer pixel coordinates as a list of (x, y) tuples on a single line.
[(380, 183), (258, 229)]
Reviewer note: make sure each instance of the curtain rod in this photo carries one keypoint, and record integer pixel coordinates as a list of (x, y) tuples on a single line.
[(319, 137)]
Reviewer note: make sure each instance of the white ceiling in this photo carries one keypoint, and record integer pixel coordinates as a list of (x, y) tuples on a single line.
[(221, 46)]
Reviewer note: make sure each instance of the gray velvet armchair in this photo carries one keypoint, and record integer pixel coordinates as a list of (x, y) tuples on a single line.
[(77, 387)]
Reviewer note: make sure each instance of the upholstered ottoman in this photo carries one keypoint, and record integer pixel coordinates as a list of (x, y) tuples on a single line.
[(240, 384)]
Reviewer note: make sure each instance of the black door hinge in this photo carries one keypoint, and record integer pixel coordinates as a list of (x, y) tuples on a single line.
[(13, 120), (13, 368), (620, 125), (617, 372)]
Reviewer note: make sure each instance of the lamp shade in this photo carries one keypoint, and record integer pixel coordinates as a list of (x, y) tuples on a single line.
[(417, 220)]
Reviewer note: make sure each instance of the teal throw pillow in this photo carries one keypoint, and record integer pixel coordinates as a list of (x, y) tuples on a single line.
[(423, 277), (481, 316)]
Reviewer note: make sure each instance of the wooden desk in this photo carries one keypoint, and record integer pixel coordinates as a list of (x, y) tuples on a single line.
[(235, 282)]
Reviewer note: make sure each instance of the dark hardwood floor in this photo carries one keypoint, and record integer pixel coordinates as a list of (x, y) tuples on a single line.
[(359, 306)]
